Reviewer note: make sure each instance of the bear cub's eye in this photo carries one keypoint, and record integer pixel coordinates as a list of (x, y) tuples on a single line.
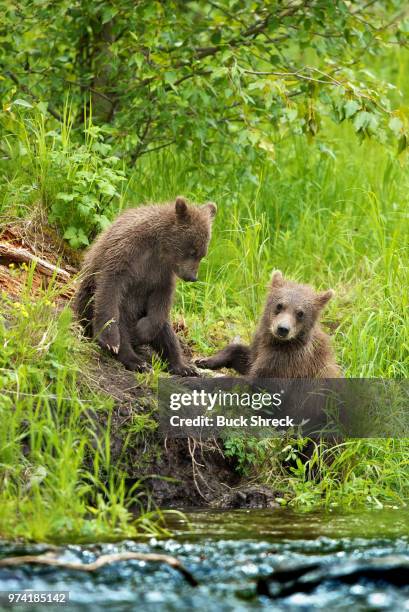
[(192, 253), (279, 307), (300, 314)]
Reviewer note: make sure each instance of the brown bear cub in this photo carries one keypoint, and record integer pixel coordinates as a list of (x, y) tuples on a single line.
[(289, 342), (129, 277)]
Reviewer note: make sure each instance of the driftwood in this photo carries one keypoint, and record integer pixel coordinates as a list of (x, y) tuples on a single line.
[(19, 255), (49, 559)]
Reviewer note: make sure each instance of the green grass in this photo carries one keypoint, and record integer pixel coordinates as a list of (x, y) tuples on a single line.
[(339, 223), (48, 434), (332, 212)]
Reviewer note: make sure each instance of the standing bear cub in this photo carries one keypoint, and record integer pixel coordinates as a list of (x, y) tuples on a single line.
[(289, 342), (129, 277)]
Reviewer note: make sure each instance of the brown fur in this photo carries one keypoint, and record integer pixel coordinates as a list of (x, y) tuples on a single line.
[(304, 351), (129, 277)]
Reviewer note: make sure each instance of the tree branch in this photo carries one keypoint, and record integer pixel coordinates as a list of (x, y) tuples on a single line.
[(26, 90), (13, 254), (48, 559), (295, 74), (162, 146)]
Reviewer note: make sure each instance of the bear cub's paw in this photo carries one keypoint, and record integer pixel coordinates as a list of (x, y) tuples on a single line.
[(110, 338), (203, 363), (135, 364), (184, 369)]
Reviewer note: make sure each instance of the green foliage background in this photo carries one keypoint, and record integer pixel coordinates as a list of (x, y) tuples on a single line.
[(209, 79), (293, 117)]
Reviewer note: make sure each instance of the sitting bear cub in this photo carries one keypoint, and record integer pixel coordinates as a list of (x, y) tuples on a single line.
[(129, 276), (289, 342)]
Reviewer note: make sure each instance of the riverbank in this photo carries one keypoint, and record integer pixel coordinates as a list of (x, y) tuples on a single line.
[(231, 555), (80, 447), (175, 473)]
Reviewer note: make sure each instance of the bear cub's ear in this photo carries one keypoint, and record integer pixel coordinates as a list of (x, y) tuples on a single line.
[(277, 279), (211, 207), (181, 207), (323, 298)]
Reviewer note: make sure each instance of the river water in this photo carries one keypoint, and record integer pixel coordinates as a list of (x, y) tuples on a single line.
[(227, 552)]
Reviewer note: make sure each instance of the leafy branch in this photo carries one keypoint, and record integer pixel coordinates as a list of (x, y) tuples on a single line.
[(165, 73)]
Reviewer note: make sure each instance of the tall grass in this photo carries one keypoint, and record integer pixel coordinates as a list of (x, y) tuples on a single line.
[(57, 480), (334, 220)]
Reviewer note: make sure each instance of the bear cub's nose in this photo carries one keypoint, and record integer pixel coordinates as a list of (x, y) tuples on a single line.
[(283, 330), (191, 278)]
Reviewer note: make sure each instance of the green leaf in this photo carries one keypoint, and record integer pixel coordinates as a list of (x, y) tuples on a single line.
[(20, 102), (82, 237), (350, 108), (402, 143), (103, 221), (107, 188), (216, 37), (84, 210), (67, 197), (396, 125), (42, 107), (70, 233), (365, 120), (170, 76), (404, 26), (326, 150)]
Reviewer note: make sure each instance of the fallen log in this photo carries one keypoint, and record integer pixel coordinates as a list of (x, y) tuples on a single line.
[(12, 254)]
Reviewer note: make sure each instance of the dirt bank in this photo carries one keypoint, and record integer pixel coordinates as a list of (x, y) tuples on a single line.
[(177, 473)]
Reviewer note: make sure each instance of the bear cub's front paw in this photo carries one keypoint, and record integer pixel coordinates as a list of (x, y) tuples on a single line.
[(134, 364), (110, 338), (203, 363), (184, 369)]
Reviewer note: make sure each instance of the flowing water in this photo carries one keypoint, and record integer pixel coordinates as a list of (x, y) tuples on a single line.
[(227, 552)]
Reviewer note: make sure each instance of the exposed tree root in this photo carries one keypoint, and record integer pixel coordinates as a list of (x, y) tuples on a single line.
[(211, 445)]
